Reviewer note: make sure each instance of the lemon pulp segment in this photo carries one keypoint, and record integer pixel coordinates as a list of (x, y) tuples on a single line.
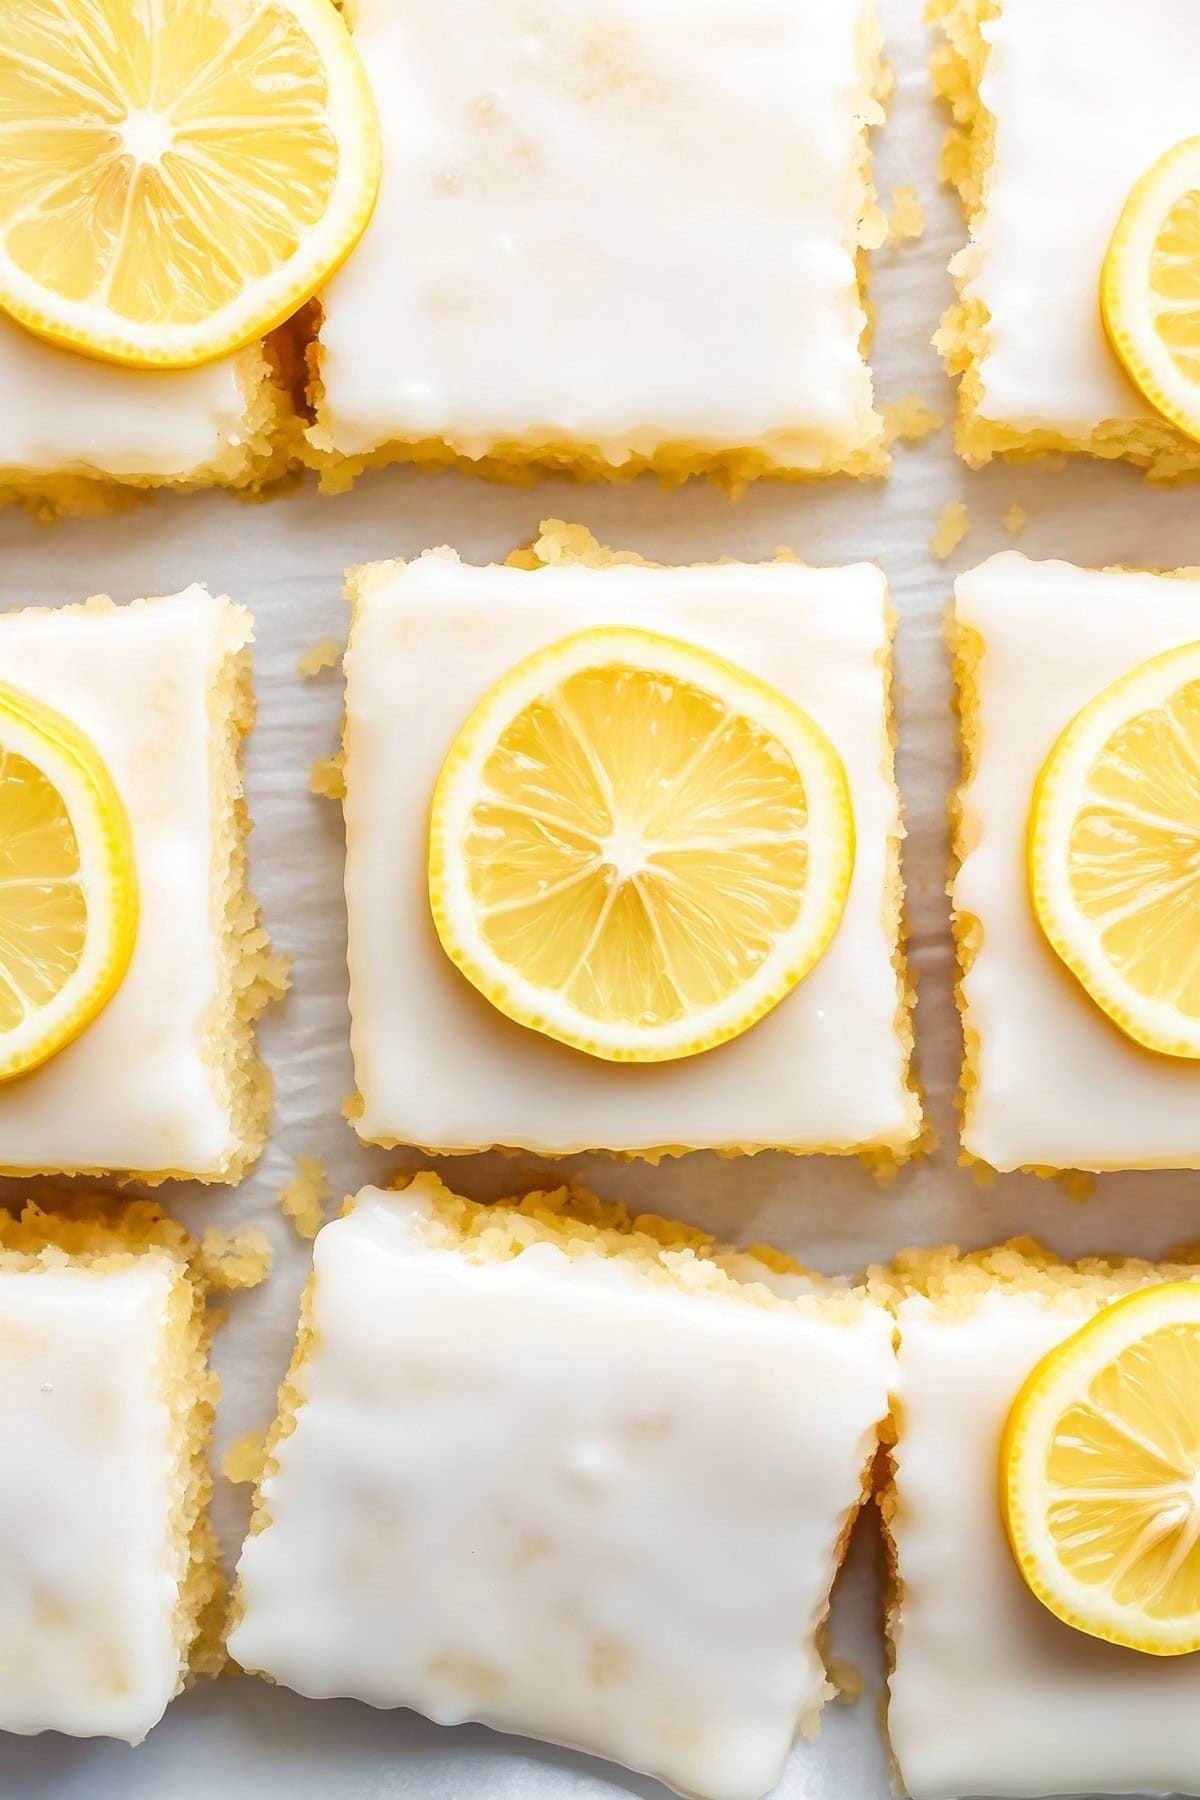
[(638, 848), (177, 176), (1100, 1474), (1115, 851), (68, 888), (1150, 288)]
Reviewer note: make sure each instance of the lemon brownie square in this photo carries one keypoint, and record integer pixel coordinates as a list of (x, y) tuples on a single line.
[(165, 1079), (990, 1692), (79, 436), (578, 1476), (1045, 165), (827, 1070), (1050, 1080), (519, 303), (109, 1579)]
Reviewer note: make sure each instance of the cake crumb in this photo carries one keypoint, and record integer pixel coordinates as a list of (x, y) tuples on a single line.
[(560, 545), (1077, 1184), (1015, 519), (908, 420), (319, 657), (303, 1197), (955, 160), (268, 976), (235, 1259), (952, 528), (327, 778), (245, 1458), (873, 228), (846, 1678), (907, 222)]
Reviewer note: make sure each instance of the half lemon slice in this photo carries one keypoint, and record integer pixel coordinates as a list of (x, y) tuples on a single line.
[(68, 887), (637, 848), (1150, 288), (177, 176), (1100, 1474), (1114, 851)]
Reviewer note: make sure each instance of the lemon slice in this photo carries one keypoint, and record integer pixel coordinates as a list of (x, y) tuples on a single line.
[(177, 176), (1114, 851), (637, 848), (68, 888), (1150, 289), (1100, 1474)]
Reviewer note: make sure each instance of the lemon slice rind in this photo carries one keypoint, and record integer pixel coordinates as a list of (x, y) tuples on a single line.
[(1155, 1024), (1127, 305), (1059, 1382), (107, 876), (830, 837), (101, 333)]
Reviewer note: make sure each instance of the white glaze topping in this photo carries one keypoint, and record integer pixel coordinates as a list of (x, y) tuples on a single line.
[(1058, 1084), (134, 1092), (66, 414), (562, 1497), (616, 222), (990, 1693), (88, 1568), (1087, 94), (437, 1065)]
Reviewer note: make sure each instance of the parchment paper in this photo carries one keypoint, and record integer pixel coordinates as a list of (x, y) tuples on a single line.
[(285, 561)]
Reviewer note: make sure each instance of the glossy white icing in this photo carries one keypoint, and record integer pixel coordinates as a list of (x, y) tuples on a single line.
[(88, 1570), (990, 1693), (1058, 1083), (437, 1065), (620, 223), (133, 1091), (562, 1497), (66, 414), (1087, 94)]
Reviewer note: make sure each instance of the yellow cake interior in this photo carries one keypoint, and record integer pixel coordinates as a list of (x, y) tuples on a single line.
[(966, 648), (580, 1225), (252, 975)]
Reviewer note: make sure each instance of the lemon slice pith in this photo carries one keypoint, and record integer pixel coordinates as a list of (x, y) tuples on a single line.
[(177, 176), (637, 848), (1114, 851), (1150, 288), (68, 885), (1100, 1474)]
